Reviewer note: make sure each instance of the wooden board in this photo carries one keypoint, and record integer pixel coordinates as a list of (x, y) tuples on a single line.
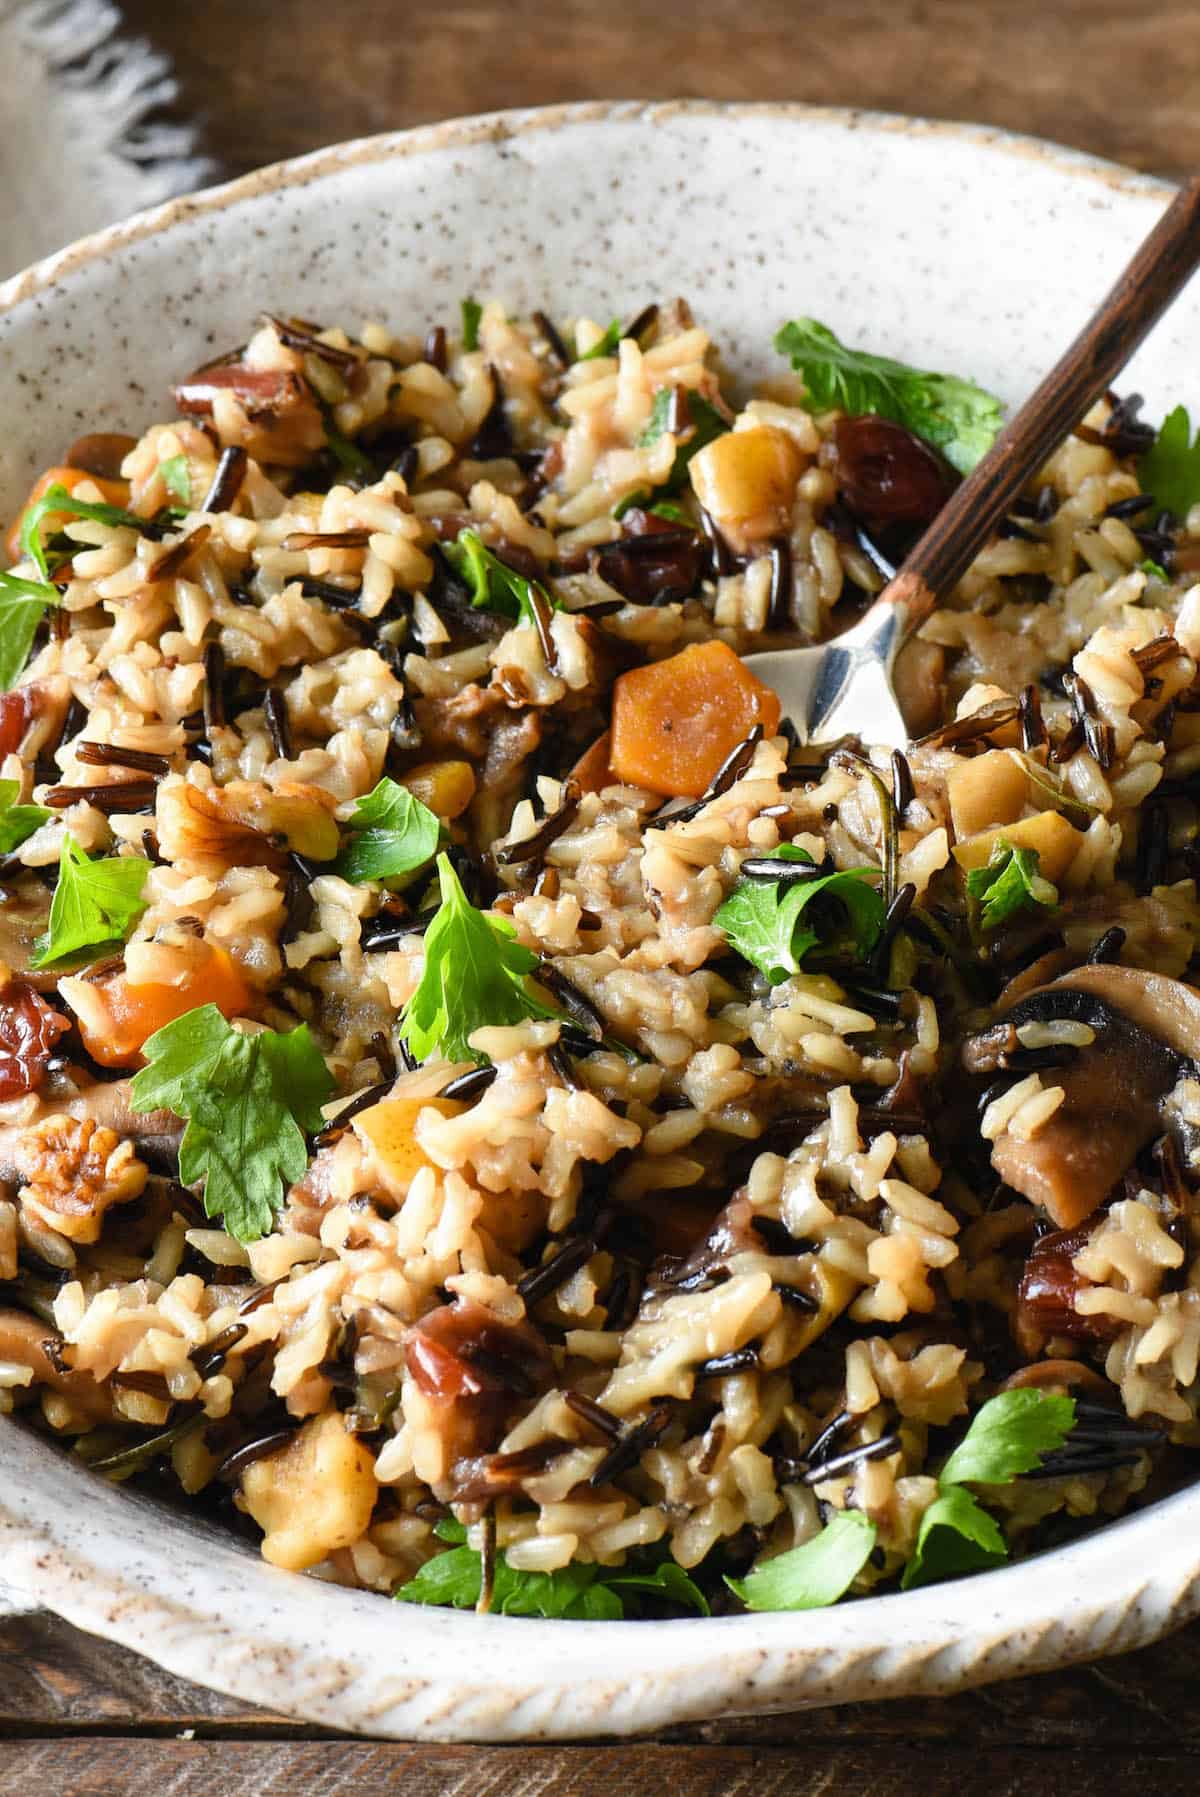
[(79, 1716), (1104, 75)]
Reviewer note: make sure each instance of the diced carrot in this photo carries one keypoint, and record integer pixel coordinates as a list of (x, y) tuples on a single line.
[(674, 722), (135, 1012), (115, 492)]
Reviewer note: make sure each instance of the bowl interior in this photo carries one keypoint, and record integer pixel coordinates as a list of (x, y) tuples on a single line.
[(948, 247), (954, 249)]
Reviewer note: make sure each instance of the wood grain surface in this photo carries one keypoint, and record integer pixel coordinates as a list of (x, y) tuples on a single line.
[(1113, 76), (266, 81)]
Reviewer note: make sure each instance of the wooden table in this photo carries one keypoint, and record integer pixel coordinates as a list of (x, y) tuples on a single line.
[(79, 1716)]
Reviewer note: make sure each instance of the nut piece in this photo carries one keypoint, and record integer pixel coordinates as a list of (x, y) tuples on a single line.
[(447, 787), (72, 1171), (747, 480), (244, 823), (314, 1496)]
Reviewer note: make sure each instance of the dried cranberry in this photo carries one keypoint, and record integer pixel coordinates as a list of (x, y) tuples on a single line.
[(17, 711), (655, 562), (887, 476), (29, 1028), (474, 1370), (1048, 1288)]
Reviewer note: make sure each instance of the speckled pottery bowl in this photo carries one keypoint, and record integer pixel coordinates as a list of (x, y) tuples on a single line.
[(950, 246)]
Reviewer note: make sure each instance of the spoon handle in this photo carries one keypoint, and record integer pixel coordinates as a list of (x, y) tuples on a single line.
[(1159, 269)]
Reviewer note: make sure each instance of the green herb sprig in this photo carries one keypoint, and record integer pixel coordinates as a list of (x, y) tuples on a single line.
[(815, 1574), (18, 822), (476, 974), (583, 1592), (702, 425), (956, 416), (1009, 883), (391, 835), (1007, 1437), (96, 904), (471, 312), (22, 607), (773, 925), (1170, 468), (606, 345), (247, 1099), (493, 585), (177, 478), (58, 499)]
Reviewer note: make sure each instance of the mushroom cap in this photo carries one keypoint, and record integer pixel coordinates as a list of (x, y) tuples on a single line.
[(1147, 1031)]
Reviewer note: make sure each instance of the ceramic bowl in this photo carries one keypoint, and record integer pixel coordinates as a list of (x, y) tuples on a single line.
[(951, 247)]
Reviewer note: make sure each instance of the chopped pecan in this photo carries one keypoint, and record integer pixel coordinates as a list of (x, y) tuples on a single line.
[(72, 1171)]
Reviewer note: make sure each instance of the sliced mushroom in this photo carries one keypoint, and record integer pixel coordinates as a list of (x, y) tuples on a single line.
[(27, 1342), (1060, 1376), (1147, 1032)]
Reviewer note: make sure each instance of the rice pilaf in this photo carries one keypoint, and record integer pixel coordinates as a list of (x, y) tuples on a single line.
[(818, 1101)]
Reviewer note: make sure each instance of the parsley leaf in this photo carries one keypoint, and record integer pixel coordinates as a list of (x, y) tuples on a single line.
[(702, 420), (605, 346), (95, 903), (475, 974), (17, 822), (768, 923), (1008, 1437), (247, 1101), (472, 312), (955, 415), (813, 1575), (182, 1052), (1009, 883), (177, 478), (667, 1579), (1170, 468), (393, 834), (58, 499), (956, 1536), (1156, 568), (22, 606), (494, 586), (584, 1592)]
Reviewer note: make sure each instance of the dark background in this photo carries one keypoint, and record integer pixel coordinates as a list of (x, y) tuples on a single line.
[(272, 80)]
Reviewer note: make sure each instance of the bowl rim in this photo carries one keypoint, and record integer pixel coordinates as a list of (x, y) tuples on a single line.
[(500, 126), (1111, 1591)]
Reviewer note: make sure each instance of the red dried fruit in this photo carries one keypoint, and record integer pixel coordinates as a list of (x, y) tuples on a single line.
[(1047, 1291), (17, 711), (474, 1371), (887, 476), (29, 1028)]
